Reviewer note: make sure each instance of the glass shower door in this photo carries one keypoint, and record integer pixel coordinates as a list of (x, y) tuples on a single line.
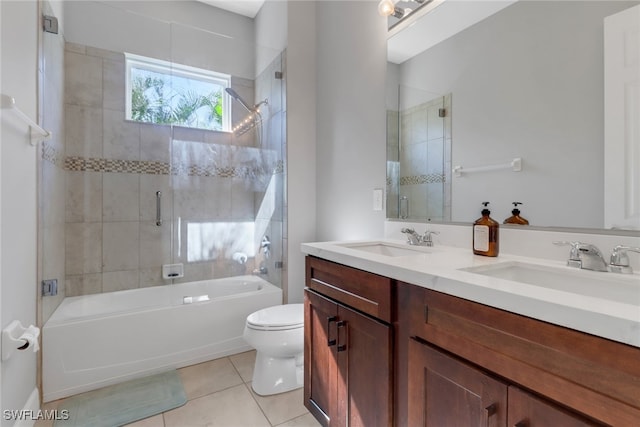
[(227, 185)]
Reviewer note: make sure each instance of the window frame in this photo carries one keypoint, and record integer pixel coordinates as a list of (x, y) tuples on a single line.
[(180, 70)]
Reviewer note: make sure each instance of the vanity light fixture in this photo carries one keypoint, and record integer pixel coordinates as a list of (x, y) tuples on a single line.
[(389, 8)]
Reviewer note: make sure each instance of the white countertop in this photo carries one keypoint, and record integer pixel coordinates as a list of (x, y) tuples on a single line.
[(611, 312)]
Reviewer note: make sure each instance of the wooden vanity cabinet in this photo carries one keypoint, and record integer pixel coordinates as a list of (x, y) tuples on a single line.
[(348, 346), (446, 391), (443, 391), (470, 364), (380, 352), (528, 410)]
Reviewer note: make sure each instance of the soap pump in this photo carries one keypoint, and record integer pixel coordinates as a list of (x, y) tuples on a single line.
[(515, 217), (485, 234)]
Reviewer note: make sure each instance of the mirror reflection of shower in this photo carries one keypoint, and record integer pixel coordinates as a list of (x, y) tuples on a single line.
[(253, 119), (419, 155), (404, 207)]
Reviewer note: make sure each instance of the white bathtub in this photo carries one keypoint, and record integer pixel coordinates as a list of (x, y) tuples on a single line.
[(96, 340)]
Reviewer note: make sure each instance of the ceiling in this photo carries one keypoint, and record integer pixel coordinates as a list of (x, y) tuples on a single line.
[(242, 7)]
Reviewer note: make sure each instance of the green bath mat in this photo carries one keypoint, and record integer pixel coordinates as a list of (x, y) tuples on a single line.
[(124, 403)]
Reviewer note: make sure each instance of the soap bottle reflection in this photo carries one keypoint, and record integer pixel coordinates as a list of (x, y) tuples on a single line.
[(515, 217)]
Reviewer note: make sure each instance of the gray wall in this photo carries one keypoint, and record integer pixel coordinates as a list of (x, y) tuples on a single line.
[(301, 139), (526, 82), (351, 153), (19, 30), (335, 125)]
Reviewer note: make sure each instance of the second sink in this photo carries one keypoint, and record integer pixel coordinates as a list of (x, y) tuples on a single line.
[(581, 282)]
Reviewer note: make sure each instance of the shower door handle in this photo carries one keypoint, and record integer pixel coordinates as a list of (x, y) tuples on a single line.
[(158, 208)]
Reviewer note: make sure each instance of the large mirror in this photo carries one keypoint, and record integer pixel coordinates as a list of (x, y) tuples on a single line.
[(524, 83)]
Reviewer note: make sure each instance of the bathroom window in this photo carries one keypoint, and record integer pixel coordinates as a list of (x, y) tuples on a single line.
[(166, 93)]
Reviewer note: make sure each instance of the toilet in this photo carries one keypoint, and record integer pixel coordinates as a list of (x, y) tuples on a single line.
[(277, 334)]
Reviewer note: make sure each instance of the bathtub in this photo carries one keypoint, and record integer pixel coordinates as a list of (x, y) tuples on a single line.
[(97, 340)]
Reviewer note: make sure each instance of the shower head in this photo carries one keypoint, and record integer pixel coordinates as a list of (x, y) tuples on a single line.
[(253, 118), (237, 97)]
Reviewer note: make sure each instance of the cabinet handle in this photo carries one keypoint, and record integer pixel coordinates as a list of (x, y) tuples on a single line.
[(330, 342), (341, 324), (489, 411), (522, 423)]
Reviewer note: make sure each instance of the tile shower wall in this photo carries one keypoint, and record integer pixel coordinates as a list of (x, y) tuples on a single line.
[(210, 184), (102, 204), (425, 161), (51, 187)]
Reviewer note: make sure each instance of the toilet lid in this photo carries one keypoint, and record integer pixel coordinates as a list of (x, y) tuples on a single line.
[(288, 316)]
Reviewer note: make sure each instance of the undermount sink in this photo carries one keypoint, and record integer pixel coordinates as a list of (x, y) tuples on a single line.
[(611, 286), (386, 249)]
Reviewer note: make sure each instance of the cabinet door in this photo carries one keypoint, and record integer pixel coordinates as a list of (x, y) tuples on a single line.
[(320, 358), (526, 410), (365, 370), (444, 391)]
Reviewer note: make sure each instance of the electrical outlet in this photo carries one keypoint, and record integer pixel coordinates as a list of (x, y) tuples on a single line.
[(377, 199)]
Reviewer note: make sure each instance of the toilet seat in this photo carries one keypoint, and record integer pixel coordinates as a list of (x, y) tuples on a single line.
[(277, 318)]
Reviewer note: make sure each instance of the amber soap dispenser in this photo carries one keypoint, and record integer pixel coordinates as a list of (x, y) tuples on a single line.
[(485, 234), (515, 217)]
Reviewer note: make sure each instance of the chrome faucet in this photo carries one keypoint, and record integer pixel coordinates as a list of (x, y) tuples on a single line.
[(585, 256), (262, 269), (619, 262), (265, 245), (265, 248), (415, 239)]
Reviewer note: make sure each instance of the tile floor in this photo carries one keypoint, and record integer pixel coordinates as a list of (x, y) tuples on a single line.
[(219, 394)]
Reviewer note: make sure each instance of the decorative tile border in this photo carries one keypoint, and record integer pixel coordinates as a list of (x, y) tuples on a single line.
[(422, 179), (82, 164)]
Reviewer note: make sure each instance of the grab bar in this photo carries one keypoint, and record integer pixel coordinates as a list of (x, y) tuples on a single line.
[(515, 165), (158, 208)]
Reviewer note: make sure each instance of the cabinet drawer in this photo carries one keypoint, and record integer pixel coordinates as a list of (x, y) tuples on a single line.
[(366, 292), (524, 407), (595, 376)]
